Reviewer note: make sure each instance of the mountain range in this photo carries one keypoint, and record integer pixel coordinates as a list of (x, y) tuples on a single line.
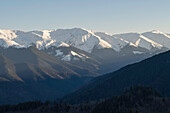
[(96, 51), (83, 39), (34, 63)]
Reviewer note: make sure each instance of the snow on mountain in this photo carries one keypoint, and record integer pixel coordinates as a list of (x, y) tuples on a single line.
[(158, 37), (75, 54), (115, 43), (154, 44), (79, 38), (7, 34), (72, 55), (139, 40), (67, 58), (58, 53), (76, 37), (6, 43), (26, 38), (137, 52), (5, 39), (82, 39), (55, 44)]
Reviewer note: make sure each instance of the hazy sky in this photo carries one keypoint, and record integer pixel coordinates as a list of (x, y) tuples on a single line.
[(112, 16)]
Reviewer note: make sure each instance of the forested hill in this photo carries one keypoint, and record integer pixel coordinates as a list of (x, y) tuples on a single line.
[(135, 100)]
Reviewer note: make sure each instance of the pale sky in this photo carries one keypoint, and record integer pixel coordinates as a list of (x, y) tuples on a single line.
[(112, 16)]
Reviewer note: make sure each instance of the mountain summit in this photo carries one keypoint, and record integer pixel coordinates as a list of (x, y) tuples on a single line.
[(82, 39)]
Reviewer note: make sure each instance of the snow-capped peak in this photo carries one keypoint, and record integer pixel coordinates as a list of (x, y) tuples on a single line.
[(116, 43), (158, 37), (138, 40), (82, 39), (79, 38), (157, 32), (7, 34)]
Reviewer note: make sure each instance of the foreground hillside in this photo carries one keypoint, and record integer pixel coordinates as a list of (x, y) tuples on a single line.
[(134, 100)]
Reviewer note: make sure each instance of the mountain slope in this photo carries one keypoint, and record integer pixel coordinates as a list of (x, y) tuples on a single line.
[(158, 37), (116, 43), (76, 57), (7, 70), (139, 40), (153, 72), (50, 89), (35, 64), (30, 74)]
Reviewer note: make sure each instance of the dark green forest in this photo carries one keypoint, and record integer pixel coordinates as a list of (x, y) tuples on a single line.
[(134, 100)]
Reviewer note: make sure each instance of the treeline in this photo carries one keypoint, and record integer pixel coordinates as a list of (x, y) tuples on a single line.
[(21, 106), (134, 100), (46, 107)]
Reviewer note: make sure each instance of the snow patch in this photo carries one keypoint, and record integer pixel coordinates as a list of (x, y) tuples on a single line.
[(75, 54), (67, 58), (58, 53), (137, 52)]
